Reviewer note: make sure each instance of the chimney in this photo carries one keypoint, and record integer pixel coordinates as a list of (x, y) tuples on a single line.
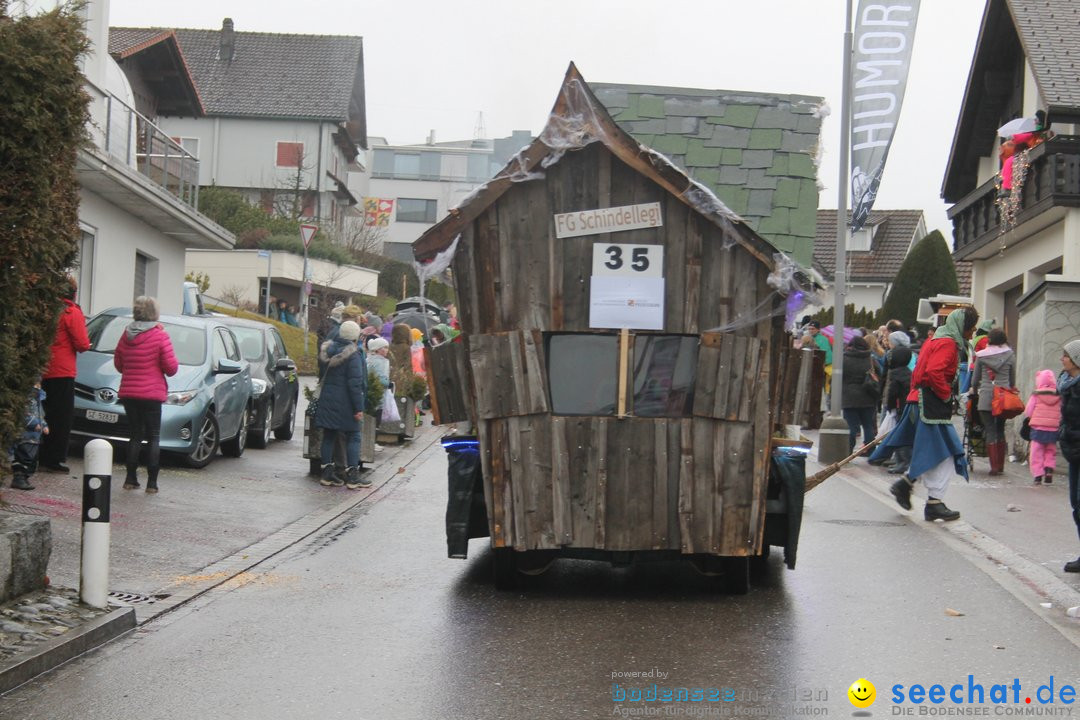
[(227, 47)]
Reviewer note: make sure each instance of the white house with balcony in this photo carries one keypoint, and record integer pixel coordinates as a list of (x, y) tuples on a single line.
[(138, 189), (282, 117), (1024, 245), (414, 186)]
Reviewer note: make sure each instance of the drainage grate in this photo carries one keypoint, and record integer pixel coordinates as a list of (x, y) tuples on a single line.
[(24, 510), (127, 598), (867, 523)]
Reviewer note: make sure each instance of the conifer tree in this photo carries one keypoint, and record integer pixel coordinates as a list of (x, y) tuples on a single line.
[(928, 270)]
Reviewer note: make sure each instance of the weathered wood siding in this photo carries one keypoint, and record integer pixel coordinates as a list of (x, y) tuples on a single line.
[(694, 484)]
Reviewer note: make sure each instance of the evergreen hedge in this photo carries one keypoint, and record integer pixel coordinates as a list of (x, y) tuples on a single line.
[(928, 270), (43, 117)]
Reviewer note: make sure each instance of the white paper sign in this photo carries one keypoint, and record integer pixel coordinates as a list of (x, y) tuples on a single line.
[(622, 301), (628, 260), (606, 220)]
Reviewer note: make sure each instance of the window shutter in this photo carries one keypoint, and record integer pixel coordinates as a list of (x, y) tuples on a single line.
[(289, 154)]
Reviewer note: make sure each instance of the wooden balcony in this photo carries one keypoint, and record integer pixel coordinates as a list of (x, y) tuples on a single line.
[(1053, 181)]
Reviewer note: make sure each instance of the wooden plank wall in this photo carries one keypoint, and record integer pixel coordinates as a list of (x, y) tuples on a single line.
[(448, 383), (509, 368), (694, 484)]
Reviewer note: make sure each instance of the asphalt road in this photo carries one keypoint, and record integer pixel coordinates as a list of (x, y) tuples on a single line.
[(368, 619)]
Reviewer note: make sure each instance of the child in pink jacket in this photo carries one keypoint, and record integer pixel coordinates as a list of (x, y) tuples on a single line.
[(1044, 410)]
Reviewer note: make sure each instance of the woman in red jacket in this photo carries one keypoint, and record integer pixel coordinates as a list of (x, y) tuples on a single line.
[(58, 381), (144, 356), (937, 453)]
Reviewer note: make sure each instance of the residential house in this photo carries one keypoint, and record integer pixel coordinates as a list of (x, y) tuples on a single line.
[(1024, 245), (138, 188), (874, 253), (283, 116), (282, 120), (414, 186), (757, 152)]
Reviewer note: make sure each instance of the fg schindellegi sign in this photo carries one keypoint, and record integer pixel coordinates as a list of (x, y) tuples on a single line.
[(607, 220)]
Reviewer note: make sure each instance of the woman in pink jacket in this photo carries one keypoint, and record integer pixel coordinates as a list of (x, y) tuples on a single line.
[(144, 356), (1044, 414)]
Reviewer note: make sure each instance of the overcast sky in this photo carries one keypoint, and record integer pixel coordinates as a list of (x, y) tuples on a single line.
[(437, 65)]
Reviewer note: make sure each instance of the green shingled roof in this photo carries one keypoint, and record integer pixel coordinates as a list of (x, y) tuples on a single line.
[(755, 151)]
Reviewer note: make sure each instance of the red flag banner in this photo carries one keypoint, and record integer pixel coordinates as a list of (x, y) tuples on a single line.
[(377, 211)]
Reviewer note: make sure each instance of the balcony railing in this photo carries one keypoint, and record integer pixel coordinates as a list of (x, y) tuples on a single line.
[(139, 143), (1053, 180)]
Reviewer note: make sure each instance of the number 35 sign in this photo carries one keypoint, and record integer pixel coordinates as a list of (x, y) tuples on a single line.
[(628, 260), (627, 287)]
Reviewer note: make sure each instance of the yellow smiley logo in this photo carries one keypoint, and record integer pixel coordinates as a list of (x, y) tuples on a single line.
[(862, 693)]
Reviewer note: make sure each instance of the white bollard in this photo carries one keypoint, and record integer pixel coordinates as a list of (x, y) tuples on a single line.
[(97, 486)]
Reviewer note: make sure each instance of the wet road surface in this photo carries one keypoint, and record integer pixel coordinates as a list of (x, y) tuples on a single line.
[(369, 620)]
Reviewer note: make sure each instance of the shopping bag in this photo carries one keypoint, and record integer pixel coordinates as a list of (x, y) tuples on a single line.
[(888, 423), (1006, 402), (390, 412)]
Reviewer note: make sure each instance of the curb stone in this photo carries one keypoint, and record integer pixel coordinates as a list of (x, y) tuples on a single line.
[(58, 650)]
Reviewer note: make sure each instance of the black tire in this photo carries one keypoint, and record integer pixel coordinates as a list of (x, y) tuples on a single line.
[(285, 430), (737, 575), (259, 437), (207, 442), (505, 568), (235, 446), (315, 467), (759, 564)]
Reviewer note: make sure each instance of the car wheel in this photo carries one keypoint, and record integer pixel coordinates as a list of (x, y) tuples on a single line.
[(206, 443), (285, 430), (260, 436), (235, 447)]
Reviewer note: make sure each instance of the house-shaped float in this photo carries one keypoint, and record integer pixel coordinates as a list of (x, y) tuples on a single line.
[(624, 357)]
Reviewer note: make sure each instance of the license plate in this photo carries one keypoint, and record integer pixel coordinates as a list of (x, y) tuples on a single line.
[(102, 416)]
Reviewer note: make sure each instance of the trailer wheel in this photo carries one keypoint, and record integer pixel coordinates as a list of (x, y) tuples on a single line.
[(505, 567), (759, 564), (737, 575)]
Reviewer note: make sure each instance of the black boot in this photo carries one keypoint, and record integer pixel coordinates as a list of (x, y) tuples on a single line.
[(1048, 478), (937, 510), (131, 481), (1073, 566), (901, 490), (21, 482), (354, 481), (151, 480), (1038, 480), (332, 476)]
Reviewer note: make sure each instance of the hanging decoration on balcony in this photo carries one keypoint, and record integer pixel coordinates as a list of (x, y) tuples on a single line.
[(1015, 163)]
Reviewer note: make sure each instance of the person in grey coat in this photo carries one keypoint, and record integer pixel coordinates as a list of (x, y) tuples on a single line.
[(994, 365), (341, 405)]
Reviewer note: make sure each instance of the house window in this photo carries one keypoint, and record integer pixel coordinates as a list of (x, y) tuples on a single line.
[(407, 164), (189, 144), (584, 371), (84, 269), (141, 264), (415, 210), (290, 154), (861, 240)]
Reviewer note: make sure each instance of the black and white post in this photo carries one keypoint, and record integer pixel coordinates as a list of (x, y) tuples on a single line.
[(97, 488)]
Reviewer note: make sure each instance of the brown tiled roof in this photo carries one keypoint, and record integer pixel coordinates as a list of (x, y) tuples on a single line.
[(893, 237), (963, 276), (1049, 30)]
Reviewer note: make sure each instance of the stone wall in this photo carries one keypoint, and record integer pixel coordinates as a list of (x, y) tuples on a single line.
[(25, 546)]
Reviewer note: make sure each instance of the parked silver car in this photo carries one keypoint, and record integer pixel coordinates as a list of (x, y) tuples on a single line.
[(209, 400)]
